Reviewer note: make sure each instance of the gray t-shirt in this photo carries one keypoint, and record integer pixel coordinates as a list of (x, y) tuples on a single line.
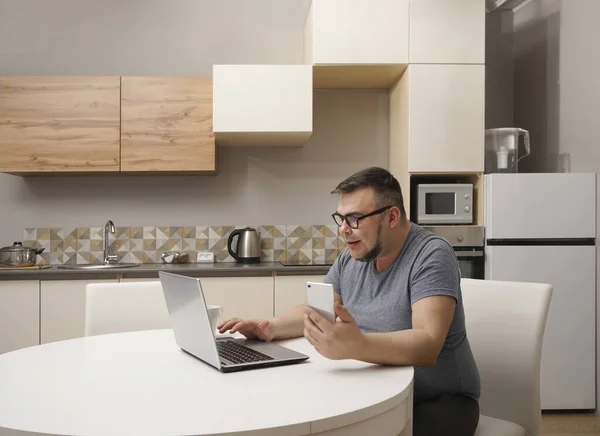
[(381, 302)]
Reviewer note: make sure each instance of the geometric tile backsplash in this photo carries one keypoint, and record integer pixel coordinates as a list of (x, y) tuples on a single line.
[(84, 245)]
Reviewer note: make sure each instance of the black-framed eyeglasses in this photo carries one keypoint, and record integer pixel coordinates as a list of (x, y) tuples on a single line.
[(352, 220)]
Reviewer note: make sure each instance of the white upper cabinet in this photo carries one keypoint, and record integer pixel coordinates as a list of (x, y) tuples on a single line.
[(355, 32), (262, 105), (437, 119), (447, 31), (357, 42)]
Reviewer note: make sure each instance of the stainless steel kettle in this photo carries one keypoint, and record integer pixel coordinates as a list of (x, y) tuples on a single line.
[(247, 247)]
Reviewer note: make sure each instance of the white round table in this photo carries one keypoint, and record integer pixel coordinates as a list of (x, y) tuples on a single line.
[(142, 383)]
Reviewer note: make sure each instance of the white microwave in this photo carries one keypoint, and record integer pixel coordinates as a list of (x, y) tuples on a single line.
[(445, 203)]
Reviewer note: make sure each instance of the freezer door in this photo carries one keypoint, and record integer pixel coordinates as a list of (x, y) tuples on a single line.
[(540, 206), (568, 372)]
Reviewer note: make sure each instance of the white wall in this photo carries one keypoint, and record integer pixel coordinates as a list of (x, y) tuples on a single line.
[(154, 37)]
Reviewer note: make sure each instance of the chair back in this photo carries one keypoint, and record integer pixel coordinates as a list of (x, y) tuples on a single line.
[(505, 324), (125, 307)]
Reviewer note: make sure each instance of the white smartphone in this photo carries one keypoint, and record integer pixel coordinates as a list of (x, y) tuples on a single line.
[(319, 296)]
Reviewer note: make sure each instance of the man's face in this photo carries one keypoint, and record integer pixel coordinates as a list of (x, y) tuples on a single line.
[(365, 242)]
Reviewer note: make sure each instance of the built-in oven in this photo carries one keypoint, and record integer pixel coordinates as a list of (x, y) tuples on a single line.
[(469, 244)]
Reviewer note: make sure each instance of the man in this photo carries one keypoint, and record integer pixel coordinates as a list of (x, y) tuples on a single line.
[(398, 302)]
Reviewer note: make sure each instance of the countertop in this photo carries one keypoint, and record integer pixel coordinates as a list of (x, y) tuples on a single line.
[(150, 270)]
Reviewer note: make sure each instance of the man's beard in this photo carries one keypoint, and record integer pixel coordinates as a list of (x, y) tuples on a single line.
[(375, 251)]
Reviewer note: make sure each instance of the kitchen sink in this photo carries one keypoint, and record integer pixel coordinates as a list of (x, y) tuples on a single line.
[(99, 266)]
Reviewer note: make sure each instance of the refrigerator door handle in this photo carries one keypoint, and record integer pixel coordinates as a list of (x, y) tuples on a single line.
[(469, 253)]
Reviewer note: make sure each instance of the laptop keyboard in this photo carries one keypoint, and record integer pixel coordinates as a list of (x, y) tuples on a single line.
[(237, 353)]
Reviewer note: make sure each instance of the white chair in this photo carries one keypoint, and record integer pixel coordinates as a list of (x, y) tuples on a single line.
[(125, 307), (505, 324)]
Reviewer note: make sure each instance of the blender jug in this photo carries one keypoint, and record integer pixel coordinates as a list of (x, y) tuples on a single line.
[(502, 149)]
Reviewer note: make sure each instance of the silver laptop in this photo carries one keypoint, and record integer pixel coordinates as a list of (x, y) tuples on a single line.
[(193, 333)]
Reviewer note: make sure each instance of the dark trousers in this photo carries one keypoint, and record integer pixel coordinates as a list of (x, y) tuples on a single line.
[(447, 415)]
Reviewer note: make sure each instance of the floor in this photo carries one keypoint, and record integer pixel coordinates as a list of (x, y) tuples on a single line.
[(581, 424)]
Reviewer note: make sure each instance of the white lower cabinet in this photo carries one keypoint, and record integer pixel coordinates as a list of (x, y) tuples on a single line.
[(241, 297), (34, 312), (62, 314), (291, 291), (19, 314)]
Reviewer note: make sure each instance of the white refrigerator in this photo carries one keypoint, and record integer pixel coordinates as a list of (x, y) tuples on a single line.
[(541, 227)]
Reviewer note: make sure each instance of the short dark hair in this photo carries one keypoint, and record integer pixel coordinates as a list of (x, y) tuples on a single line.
[(385, 185)]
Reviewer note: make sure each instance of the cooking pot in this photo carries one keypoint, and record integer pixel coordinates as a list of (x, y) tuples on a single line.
[(17, 255)]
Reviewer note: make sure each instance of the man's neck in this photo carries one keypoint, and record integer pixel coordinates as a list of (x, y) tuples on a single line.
[(385, 261)]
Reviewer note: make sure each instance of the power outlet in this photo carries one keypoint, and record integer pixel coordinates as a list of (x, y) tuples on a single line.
[(205, 257)]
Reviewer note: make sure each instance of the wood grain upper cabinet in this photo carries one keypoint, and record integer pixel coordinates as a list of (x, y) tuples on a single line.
[(59, 124), (167, 124)]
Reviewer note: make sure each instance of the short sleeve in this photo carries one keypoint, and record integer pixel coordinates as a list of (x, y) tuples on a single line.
[(435, 272), (334, 275)]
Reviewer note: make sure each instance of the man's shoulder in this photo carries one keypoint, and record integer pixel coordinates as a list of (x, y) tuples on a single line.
[(427, 245), (425, 239)]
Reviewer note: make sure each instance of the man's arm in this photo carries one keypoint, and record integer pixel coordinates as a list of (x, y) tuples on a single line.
[(434, 290), (419, 346), (291, 324)]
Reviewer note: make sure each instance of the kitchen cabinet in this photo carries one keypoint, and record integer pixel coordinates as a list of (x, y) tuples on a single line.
[(59, 124), (357, 43), (262, 105), (241, 297), (290, 291), (166, 124), (447, 32), (19, 314), (437, 120), (62, 314)]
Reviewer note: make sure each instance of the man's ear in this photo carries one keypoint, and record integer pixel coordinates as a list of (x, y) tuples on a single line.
[(395, 217)]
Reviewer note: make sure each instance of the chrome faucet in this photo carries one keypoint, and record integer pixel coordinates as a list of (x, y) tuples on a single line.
[(108, 258)]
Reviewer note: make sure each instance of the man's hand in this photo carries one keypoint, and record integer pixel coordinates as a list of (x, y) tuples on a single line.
[(252, 329), (340, 340)]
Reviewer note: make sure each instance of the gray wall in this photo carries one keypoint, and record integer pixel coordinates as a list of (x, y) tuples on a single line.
[(580, 99), (155, 37), (160, 37), (557, 88), (499, 68), (536, 79)]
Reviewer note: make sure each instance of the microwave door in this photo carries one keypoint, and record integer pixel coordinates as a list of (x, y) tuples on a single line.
[(439, 207), (445, 204)]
